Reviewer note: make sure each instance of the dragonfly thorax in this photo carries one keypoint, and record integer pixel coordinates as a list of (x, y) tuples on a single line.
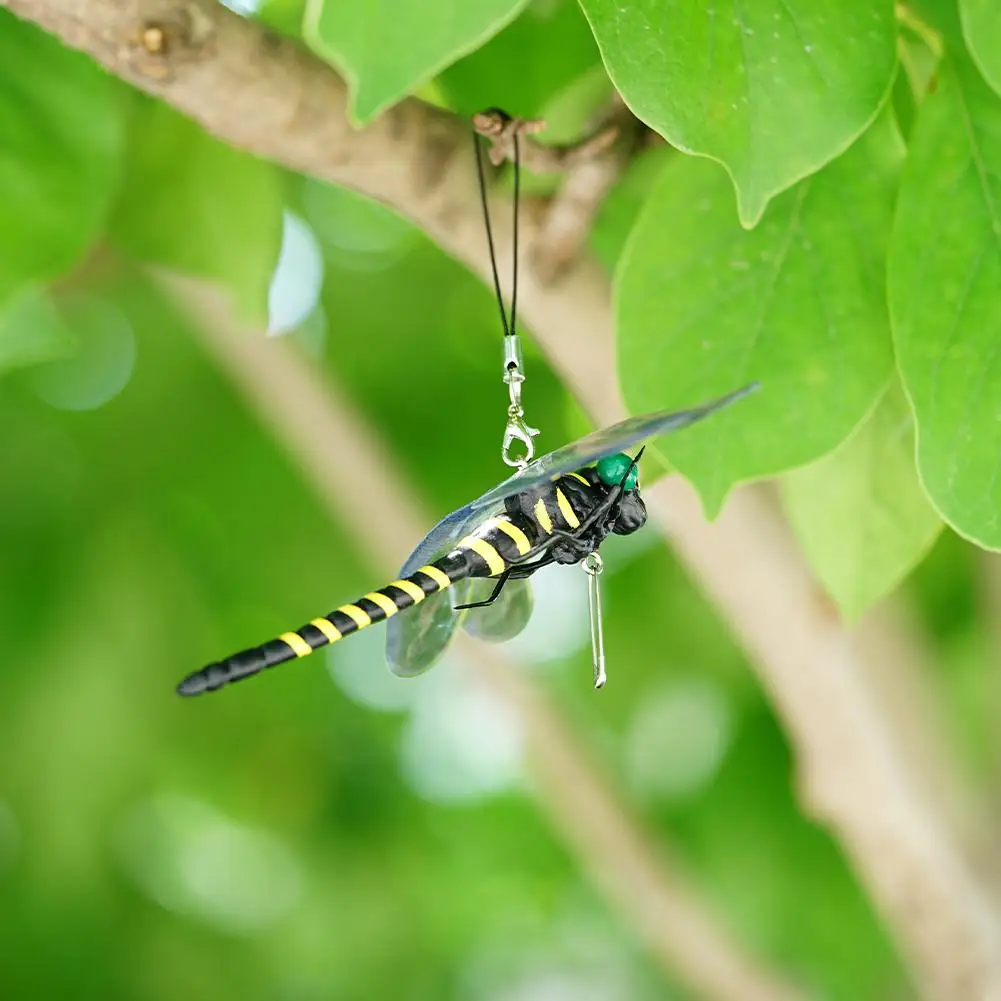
[(600, 509)]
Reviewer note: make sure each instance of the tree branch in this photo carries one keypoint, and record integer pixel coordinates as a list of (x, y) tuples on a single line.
[(268, 96), (650, 891)]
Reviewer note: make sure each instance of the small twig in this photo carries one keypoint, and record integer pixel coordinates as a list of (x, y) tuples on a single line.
[(572, 210), (501, 128)]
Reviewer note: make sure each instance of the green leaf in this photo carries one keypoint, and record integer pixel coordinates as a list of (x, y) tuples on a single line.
[(982, 31), (860, 513), (60, 146), (944, 276), (32, 331), (797, 303), (541, 52), (388, 48), (195, 204), (772, 89)]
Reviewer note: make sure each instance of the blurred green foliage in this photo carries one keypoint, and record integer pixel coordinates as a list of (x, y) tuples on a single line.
[(146, 535), (327, 830)]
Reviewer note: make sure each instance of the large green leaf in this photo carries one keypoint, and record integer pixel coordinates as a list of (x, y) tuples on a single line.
[(773, 89), (944, 277), (60, 146), (388, 48), (860, 513), (982, 31), (797, 303), (541, 52), (195, 204)]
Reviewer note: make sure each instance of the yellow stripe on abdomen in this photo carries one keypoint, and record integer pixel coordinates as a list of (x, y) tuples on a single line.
[(328, 629), (384, 602), (409, 587), (516, 534), (438, 576), (542, 516), (483, 549), (566, 510), (297, 643), (577, 476), (360, 616)]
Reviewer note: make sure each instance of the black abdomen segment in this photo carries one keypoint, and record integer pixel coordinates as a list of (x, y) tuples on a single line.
[(373, 607)]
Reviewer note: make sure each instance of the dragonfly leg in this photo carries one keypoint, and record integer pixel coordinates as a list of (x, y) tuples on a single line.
[(494, 594), (523, 570), (514, 572), (571, 548), (572, 538)]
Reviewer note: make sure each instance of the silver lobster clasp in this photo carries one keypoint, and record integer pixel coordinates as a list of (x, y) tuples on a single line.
[(518, 430)]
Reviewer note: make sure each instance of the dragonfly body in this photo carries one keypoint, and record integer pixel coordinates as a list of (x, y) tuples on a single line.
[(556, 522), (558, 509)]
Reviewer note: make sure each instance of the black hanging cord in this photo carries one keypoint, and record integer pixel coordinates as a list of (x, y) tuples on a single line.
[(508, 330), (514, 261)]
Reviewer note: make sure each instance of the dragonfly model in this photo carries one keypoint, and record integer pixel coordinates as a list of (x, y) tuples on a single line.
[(557, 509)]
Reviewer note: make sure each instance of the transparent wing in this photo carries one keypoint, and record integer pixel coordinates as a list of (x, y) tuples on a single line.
[(418, 636), (598, 444), (504, 618), (445, 535)]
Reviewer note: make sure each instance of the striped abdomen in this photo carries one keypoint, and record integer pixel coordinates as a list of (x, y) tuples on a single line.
[(485, 553)]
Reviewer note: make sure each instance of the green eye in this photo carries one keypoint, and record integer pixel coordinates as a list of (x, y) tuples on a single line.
[(612, 468)]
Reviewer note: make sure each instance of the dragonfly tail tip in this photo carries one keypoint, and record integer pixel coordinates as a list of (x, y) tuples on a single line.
[(193, 684)]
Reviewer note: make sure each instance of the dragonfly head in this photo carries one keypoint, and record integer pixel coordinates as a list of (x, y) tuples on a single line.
[(629, 513), (612, 468), (619, 473)]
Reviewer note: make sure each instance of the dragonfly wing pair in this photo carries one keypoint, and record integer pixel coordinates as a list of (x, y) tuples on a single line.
[(416, 640)]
